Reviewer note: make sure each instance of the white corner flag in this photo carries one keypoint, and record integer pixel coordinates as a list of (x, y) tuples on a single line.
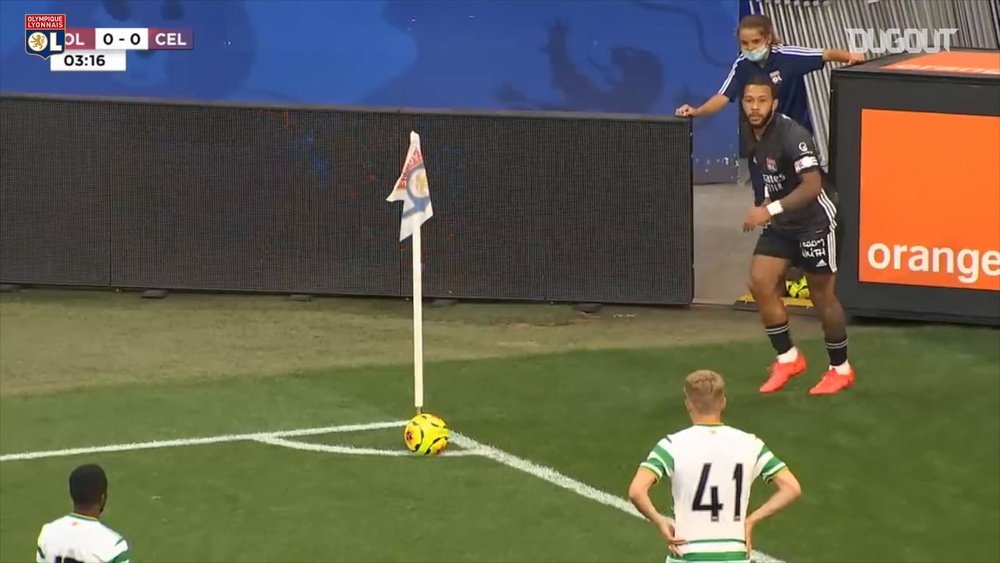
[(411, 188)]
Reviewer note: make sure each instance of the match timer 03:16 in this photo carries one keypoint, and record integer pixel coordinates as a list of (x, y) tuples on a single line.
[(89, 61)]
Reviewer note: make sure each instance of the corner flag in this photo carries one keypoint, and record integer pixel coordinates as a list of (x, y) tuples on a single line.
[(411, 188)]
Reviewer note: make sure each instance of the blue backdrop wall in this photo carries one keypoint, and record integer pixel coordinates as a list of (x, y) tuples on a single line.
[(633, 56)]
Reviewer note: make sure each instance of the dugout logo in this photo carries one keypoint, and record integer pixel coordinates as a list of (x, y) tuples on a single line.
[(906, 235), (896, 40)]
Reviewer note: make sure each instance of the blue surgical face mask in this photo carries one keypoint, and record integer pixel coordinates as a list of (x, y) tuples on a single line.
[(757, 55)]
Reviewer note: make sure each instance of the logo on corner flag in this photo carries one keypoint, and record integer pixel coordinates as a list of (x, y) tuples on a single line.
[(413, 190), (44, 34)]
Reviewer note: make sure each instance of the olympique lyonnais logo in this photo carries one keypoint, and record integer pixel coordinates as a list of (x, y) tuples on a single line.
[(44, 34)]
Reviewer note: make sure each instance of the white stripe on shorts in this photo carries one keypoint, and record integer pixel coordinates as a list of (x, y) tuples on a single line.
[(831, 249), (831, 210)]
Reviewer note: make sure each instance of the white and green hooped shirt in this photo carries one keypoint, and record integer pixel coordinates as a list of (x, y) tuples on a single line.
[(75, 538), (711, 469)]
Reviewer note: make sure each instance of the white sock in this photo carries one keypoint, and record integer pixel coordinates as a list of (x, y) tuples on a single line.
[(790, 356), (842, 369)]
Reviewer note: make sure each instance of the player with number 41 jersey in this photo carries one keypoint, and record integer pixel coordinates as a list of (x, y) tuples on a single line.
[(711, 467)]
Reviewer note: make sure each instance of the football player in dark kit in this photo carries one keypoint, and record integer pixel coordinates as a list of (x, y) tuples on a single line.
[(799, 220)]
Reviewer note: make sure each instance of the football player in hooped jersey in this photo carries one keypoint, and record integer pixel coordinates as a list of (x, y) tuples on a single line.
[(800, 222), (711, 468), (80, 536)]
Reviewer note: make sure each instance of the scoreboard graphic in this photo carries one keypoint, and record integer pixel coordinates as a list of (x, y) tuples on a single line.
[(101, 49)]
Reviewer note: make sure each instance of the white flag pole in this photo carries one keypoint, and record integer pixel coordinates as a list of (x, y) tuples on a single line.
[(418, 322), (411, 188)]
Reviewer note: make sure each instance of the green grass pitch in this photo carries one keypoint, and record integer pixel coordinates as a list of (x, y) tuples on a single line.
[(903, 467)]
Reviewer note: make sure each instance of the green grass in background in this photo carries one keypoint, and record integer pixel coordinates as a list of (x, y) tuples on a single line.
[(904, 467)]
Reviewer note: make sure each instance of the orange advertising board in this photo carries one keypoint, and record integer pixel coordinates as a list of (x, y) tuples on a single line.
[(929, 199), (985, 63)]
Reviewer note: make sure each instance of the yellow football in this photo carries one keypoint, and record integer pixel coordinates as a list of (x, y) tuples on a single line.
[(426, 434)]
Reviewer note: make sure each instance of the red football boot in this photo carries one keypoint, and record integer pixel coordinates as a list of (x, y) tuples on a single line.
[(781, 372), (833, 382)]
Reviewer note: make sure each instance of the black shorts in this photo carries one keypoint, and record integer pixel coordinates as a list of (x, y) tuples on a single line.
[(813, 253)]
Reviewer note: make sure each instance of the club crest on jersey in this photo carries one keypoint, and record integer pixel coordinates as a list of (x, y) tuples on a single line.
[(772, 166), (776, 76)]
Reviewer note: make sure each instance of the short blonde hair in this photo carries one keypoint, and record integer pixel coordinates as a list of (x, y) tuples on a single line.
[(706, 390)]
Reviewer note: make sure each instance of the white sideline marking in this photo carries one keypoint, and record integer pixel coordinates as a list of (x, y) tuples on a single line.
[(546, 474), (471, 448), (201, 441), (560, 480), (334, 449)]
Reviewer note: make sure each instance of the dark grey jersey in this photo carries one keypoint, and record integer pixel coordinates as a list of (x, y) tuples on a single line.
[(784, 152)]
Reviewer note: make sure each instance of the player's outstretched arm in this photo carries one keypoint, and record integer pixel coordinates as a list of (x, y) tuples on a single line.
[(732, 87), (789, 489), (710, 107), (841, 56)]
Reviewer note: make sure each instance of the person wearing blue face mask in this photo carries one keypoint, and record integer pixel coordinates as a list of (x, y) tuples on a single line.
[(762, 53)]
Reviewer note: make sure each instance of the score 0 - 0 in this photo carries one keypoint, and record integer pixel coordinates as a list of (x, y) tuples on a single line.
[(129, 39), (142, 38)]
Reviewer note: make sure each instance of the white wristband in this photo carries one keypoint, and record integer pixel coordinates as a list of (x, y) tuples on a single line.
[(774, 208)]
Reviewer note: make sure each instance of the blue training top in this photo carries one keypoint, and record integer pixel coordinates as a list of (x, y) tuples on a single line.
[(787, 67)]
